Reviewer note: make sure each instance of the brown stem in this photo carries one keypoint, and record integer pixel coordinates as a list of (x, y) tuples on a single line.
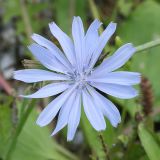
[(147, 95), (104, 146)]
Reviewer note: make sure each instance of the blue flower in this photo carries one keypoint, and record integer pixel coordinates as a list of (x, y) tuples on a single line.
[(72, 74)]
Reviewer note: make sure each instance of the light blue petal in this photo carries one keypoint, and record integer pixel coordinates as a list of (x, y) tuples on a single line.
[(37, 75), (49, 112), (107, 107), (91, 39), (92, 112), (65, 42), (47, 58), (52, 48), (64, 114), (78, 38), (119, 91), (74, 117), (120, 77), (103, 39), (48, 90), (118, 59)]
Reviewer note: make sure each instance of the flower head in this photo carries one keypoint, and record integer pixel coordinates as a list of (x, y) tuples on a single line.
[(72, 74)]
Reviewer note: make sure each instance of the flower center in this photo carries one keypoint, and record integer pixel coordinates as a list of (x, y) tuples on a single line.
[(79, 78)]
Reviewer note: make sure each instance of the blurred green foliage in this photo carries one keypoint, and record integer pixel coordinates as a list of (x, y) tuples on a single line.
[(35, 143), (135, 138), (141, 26), (6, 124), (149, 143)]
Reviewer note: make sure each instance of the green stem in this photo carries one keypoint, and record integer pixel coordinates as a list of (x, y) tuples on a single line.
[(26, 19), (18, 130), (148, 45), (94, 11), (95, 14), (72, 4)]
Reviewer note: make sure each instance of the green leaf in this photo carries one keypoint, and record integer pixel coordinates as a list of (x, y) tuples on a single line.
[(138, 153), (6, 124), (149, 143), (109, 134), (35, 143)]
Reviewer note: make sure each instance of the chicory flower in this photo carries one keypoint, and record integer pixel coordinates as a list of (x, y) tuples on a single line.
[(73, 76)]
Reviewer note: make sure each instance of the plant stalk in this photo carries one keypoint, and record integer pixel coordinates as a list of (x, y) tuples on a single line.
[(26, 19), (148, 45), (94, 11), (104, 146)]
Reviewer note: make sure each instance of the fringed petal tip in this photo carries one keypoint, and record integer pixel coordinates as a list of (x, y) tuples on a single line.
[(98, 21), (14, 74), (136, 93), (69, 139), (76, 17), (53, 133), (116, 122), (39, 123), (139, 79), (115, 125), (112, 26), (28, 96), (30, 46), (52, 23), (101, 129), (23, 96), (132, 47), (17, 75), (33, 35)]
